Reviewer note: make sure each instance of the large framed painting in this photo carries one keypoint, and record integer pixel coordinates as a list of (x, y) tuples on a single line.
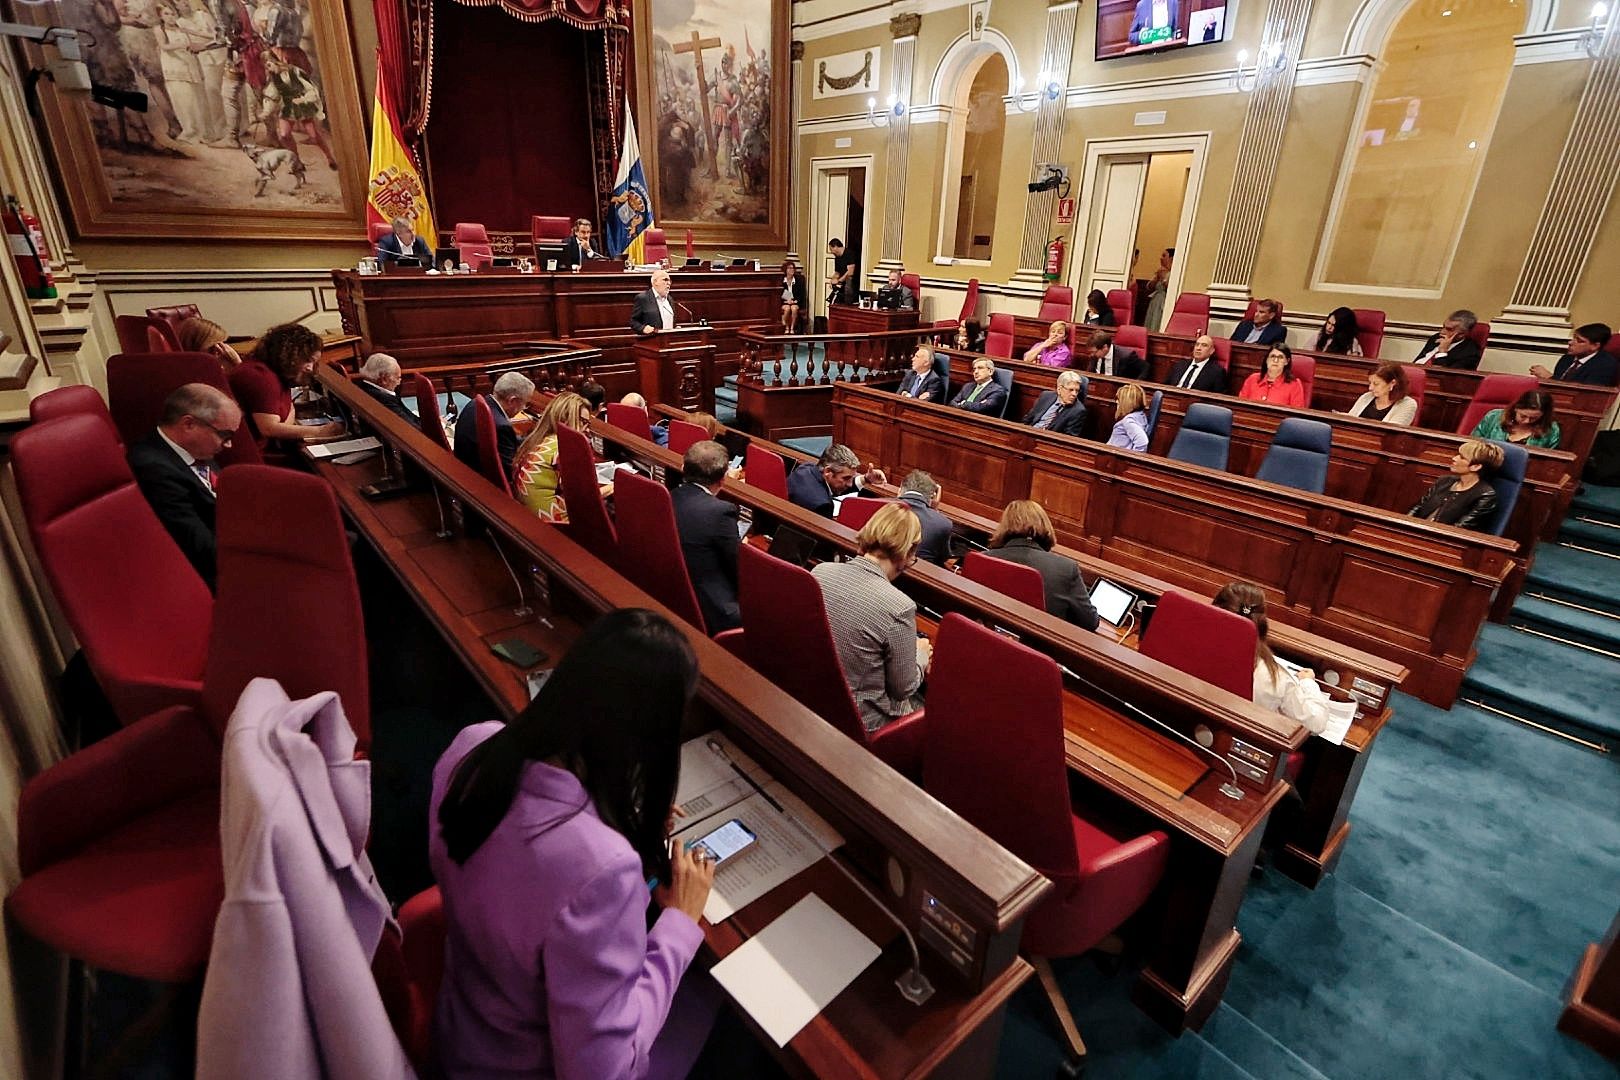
[(713, 82), (252, 126)]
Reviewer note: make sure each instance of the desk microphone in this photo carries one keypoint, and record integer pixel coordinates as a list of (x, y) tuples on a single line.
[(913, 985), (690, 314), (1229, 789)]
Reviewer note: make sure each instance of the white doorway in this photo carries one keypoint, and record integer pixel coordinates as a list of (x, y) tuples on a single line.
[(1140, 198), (841, 190)]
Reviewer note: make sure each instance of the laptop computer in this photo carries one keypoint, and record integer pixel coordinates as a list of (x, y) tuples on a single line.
[(447, 254)]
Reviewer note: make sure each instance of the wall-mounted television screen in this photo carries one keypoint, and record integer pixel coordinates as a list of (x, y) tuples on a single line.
[(1131, 27)]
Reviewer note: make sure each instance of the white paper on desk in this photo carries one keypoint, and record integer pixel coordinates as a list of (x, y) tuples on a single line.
[(782, 852), (346, 446), (1341, 714), (708, 783), (791, 970)]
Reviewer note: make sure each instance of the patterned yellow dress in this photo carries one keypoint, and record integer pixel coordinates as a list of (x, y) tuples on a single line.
[(536, 483)]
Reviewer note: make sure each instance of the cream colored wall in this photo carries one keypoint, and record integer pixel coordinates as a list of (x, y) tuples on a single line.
[(1162, 200)]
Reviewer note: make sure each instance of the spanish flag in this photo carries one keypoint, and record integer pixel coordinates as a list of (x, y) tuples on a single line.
[(396, 188)]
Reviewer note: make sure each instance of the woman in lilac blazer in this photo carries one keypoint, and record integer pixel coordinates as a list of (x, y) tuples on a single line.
[(546, 831)]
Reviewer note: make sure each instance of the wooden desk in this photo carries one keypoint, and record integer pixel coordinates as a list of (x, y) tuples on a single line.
[(677, 367), (784, 387), (895, 835), (1592, 1000), (1411, 591)]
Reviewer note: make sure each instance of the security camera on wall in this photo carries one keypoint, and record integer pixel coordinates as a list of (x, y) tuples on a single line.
[(1051, 178)]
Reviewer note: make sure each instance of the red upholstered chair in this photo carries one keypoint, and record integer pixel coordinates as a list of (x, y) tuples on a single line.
[(856, 511), (77, 400), (489, 449), (1022, 583), (1612, 346), (683, 433), (1132, 337), (138, 383), (472, 240), (550, 235), (380, 229), (168, 319), (1496, 391), (655, 247), (409, 969), (1004, 770), (765, 470), (650, 545), (139, 334), (998, 342), (1223, 352), (1369, 331), (914, 283), (788, 640), (1057, 303), (588, 521), (1416, 380), (119, 843), (1122, 303), (115, 571), (970, 308), (1304, 369), (428, 416), (1206, 642), (1190, 316), (631, 419), (1480, 334)]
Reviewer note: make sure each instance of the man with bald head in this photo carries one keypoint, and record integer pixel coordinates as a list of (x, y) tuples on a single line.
[(1203, 371), (660, 433), (654, 310), (174, 467)]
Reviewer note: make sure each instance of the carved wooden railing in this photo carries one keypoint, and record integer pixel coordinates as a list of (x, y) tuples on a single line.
[(552, 365), (822, 359)]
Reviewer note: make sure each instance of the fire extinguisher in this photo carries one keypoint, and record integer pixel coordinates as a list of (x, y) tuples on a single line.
[(1054, 260), (22, 229)]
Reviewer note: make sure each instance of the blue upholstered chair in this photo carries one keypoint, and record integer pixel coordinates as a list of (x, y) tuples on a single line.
[(1507, 481), (1205, 437), (1155, 403), (1002, 377), (1298, 456)]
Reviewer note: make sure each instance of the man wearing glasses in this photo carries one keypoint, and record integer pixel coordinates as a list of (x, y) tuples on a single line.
[(174, 467)]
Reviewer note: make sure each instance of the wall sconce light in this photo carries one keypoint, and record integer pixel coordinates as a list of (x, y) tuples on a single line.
[(896, 110), (1595, 34), (1048, 89), (1270, 63)]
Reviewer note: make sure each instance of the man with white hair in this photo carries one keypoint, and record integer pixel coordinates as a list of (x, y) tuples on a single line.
[(654, 310), (380, 378), (508, 397), (402, 243)]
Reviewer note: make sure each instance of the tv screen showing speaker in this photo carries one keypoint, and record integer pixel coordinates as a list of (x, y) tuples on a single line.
[(1133, 27)]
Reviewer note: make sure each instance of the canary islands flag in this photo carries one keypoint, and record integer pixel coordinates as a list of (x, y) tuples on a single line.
[(632, 207), (396, 188)]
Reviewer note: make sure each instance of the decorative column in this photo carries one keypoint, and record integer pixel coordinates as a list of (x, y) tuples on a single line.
[(1583, 187), (1258, 150), (904, 28), (795, 88), (1056, 56)]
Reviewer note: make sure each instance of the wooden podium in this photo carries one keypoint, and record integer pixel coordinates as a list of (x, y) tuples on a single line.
[(676, 367)]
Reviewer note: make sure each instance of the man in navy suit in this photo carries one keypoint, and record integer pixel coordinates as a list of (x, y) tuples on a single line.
[(707, 525), (1202, 372), (1059, 410), (578, 250), (922, 382), (380, 378), (983, 394), (920, 492), (506, 399), (1155, 15), (1265, 328), (174, 467), (814, 484), (1586, 361), (403, 243)]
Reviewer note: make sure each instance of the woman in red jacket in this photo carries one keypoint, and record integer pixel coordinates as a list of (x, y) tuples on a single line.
[(1276, 383)]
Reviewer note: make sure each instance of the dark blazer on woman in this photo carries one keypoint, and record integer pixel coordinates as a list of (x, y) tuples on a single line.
[(801, 295), (1066, 593), (1469, 509)]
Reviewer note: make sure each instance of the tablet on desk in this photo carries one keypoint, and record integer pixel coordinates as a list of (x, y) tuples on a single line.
[(791, 545), (1112, 602)]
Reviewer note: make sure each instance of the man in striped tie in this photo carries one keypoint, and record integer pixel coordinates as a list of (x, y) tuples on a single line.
[(174, 467)]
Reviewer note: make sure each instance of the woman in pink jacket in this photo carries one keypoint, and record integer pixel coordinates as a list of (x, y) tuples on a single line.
[(545, 834)]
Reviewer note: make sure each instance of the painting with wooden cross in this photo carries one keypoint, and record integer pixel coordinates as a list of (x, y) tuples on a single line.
[(713, 80)]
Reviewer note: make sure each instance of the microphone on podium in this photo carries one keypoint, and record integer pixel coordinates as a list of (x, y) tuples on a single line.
[(690, 314)]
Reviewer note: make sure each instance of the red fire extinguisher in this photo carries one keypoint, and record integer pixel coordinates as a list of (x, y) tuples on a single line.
[(27, 242), (1054, 260)]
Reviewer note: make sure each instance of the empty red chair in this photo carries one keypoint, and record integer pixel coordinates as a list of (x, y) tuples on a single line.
[(1123, 305), (428, 416), (655, 247), (139, 334), (1304, 369), (1133, 338), (1496, 391), (1022, 583), (765, 470), (119, 843), (1057, 303), (1223, 352), (1369, 331), (550, 235), (683, 433), (1190, 316), (1480, 334), (77, 400), (970, 309), (472, 240), (116, 573), (855, 511), (138, 383), (588, 521), (788, 640), (650, 545), (1416, 380), (1205, 641), (489, 449), (996, 755), (998, 341), (631, 419)]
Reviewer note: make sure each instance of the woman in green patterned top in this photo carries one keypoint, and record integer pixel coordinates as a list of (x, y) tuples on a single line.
[(1528, 422)]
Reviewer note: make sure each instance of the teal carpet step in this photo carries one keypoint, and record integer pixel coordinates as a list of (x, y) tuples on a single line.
[(1598, 502), (726, 414), (1545, 681), (810, 444), (1581, 576), (1559, 619), (1591, 533)]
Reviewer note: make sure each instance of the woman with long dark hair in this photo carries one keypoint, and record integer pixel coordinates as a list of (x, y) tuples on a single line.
[(545, 833), (1529, 421), (284, 359), (1338, 333)]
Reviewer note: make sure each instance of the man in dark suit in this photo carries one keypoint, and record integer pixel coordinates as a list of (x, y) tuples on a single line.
[(508, 397), (380, 378), (1110, 359), (1586, 361), (578, 250), (1059, 410), (895, 296), (1203, 371), (1158, 16), (982, 394), (403, 243), (1265, 328), (921, 493), (922, 382), (814, 484), (707, 526), (174, 467), (1451, 346), (654, 310)]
